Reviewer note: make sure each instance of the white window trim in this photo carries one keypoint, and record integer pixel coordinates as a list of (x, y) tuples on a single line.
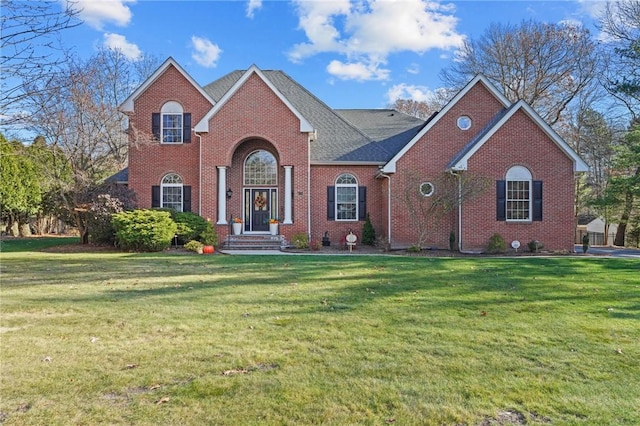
[(244, 169), (345, 185), (171, 108), (519, 174), (164, 185)]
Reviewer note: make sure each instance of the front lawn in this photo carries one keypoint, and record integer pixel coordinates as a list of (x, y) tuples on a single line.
[(117, 338)]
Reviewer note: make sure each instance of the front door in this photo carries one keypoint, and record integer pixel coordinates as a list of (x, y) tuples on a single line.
[(259, 206)]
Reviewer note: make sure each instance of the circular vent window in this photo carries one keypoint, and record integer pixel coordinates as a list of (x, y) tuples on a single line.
[(426, 189), (464, 122)]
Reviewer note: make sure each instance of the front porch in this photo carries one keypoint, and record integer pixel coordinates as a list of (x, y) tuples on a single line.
[(253, 242)]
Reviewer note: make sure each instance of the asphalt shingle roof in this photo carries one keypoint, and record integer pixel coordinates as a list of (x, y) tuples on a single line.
[(343, 135)]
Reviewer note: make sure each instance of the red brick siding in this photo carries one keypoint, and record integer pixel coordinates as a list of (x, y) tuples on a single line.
[(521, 143), (149, 161)]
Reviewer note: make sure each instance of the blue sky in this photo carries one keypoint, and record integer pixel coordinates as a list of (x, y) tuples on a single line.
[(351, 54)]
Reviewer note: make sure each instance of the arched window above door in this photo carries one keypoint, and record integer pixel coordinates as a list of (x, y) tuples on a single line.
[(260, 168)]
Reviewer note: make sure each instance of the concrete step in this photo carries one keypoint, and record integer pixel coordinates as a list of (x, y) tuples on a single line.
[(253, 242)]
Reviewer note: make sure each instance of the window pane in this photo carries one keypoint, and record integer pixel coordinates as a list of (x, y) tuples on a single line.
[(518, 204), (261, 169), (172, 197), (346, 203), (172, 128)]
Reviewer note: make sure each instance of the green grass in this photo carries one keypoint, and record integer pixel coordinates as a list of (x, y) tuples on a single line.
[(118, 338), (13, 245)]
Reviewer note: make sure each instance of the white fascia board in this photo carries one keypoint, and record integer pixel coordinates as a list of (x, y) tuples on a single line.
[(203, 125), (390, 167), (578, 164), (128, 105)]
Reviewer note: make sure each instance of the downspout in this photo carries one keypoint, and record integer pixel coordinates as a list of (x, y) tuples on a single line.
[(311, 138), (199, 173), (459, 178), (381, 174)]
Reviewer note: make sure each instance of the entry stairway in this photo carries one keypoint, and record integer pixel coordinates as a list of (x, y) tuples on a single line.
[(253, 242)]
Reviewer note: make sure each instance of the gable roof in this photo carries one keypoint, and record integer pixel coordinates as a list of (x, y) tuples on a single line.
[(342, 135), (390, 166), (127, 105), (203, 125), (459, 162)]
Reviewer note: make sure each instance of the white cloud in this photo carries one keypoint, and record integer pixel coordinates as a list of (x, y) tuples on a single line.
[(357, 71), (96, 13), (252, 6), (413, 69), (592, 8), (205, 52), (367, 31), (408, 91), (119, 42)]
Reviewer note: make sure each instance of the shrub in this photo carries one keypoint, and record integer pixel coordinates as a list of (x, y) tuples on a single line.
[(209, 236), (368, 233), (144, 230), (101, 229), (190, 225), (414, 249), (535, 246), (194, 245), (496, 244), (452, 241), (300, 240)]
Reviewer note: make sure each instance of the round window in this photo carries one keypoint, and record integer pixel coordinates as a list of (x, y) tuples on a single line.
[(464, 122), (426, 189)]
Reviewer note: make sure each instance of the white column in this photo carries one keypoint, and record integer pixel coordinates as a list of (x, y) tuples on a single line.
[(287, 195), (222, 195)]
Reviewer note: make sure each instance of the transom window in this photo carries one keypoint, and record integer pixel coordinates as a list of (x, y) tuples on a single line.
[(346, 197), (260, 168), (172, 123), (171, 192), (518, 199)]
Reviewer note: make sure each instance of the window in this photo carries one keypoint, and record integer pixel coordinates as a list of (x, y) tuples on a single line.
[(464, 122), (518, 194), (171, 190), (426, 189), (519, 198), (260, 168), (346, 200), (171, 125)]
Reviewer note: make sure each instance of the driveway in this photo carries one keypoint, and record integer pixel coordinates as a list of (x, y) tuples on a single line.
[(611, 251)]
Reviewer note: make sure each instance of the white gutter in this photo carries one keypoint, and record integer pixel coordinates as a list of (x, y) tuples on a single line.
[(199, 173), (458, 176), (381, 174)]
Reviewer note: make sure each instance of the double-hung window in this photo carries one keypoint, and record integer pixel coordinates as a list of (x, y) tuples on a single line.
[(171, 192), (171, 125), (346, 197), (519, 197)]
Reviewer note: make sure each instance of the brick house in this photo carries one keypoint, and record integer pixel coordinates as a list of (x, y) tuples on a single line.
[(256, 145)]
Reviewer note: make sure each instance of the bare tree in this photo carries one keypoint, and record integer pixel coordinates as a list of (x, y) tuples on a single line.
[(75, 110), (30, 51), (547, 65), (423, 109), (430, 203), (621, 22)]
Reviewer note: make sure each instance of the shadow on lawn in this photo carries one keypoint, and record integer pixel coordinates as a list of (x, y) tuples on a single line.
[(347, 282)]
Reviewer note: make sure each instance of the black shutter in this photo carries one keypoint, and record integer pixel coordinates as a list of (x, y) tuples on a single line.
[(362, 203), (186, 127), (155, 196), (155, 125), (331, 203), (186, 198), (501, 200), (537, 200)]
